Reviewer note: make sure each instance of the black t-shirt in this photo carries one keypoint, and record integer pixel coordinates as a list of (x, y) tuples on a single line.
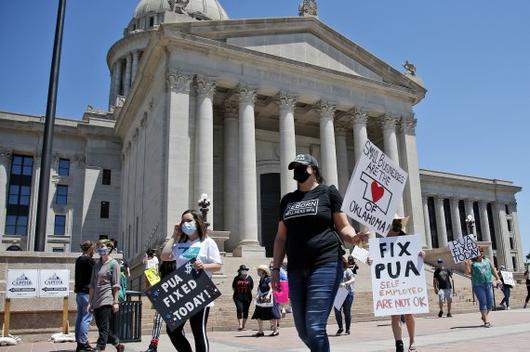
[(527, 274), (443, 276), (83, 273), (243, 288), (311, 237)]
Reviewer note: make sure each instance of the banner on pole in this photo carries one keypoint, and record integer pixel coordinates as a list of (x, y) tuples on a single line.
[(375, 189), (181, 294), (398, 276), (22, 283), (54, 283), (464, 248)]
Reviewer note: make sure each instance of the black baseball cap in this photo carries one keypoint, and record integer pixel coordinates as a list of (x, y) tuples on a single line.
[(303, 159)]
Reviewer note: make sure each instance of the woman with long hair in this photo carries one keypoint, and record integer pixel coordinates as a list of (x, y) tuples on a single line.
[(191, 241), (311, 229)]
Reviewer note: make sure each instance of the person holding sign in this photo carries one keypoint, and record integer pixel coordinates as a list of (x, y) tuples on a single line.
[(190, 241), (398, 224), (482, 272), (311, 229), (348, 281), (104, 289), (506, 289)]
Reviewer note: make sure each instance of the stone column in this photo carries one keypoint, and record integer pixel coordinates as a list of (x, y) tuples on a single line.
[(409, 162), (248, 206), (231, 171), (127, 82), (328, 153), (204, 142), (440, 222), (177, 148), (112, 89), (469, 211), (388, 125), (485, 227), (517, 235), (360, 134), (342, 160), (287, 142), (427, 220), (502, 235), (455, 218), (134, 68), (5, 162)]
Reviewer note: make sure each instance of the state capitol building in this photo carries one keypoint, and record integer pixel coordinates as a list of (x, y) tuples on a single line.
[(201, 103)]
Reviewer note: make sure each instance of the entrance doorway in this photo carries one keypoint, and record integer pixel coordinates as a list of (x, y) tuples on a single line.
[(270, 193)]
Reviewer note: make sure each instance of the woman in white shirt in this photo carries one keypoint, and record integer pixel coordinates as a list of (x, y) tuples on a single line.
[(190, 241)]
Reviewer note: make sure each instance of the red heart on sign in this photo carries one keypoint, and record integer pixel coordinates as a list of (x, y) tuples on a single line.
[(377, 191)]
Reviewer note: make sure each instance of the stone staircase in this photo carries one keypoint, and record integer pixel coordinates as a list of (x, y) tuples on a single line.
[(223, 314)]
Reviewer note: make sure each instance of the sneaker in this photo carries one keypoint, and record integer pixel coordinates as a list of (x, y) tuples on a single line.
[(508, 308), (347, 332), (440, 313), (399, 346), (120, 347), (449, 315), (151, 348), (84, 347), (339, 332)]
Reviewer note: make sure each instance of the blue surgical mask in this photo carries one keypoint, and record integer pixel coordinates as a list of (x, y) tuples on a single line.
[(103, 251), (189, 228)]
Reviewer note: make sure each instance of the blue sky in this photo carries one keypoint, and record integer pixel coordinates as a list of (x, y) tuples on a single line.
[(473, 55)]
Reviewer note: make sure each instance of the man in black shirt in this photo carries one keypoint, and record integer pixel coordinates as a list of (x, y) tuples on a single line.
[(83, 274), (443, 286)]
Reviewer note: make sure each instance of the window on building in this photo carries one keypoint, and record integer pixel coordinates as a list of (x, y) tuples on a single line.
[(104, 211), (58, 249), (514, 262), (61, 195), (60, 225), (478, 226), (64, 167), (106, 176), (151, 22), (512, 245), (492, 226), (19, 196), (507, 209), (432, 224), (510, 227), (463, 216), (448, 220)]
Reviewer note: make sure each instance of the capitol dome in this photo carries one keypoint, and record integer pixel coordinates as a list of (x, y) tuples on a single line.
[(196, 9)]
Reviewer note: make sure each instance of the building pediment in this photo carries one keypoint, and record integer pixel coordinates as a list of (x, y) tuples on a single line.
[(306, 40)]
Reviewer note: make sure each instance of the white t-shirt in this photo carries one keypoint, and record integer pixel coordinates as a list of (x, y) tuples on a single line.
[(206, 251), (151, 263)]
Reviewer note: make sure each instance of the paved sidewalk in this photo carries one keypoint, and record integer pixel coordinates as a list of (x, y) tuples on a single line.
[(510, 332)]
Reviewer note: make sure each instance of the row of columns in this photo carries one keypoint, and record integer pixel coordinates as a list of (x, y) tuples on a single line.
[(121, 81)]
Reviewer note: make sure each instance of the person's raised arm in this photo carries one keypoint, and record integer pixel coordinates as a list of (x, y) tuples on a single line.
[(167, 251)]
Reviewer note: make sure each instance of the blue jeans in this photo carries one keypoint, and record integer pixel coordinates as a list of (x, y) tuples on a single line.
[(312, 293), (507, 293), (346, 308), (484, 293), (83, 318)]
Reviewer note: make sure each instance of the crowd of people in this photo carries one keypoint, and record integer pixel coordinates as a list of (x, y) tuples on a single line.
[(309, 266)]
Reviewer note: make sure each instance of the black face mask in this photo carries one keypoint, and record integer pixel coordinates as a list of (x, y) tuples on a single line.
[(300, 173), (396, 226)]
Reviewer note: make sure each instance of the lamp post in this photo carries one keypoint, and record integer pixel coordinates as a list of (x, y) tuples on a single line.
[(204, 204), (47, 145), (470, 222)]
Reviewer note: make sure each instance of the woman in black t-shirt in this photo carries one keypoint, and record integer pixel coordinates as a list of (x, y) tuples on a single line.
[(310, 231), (242, 286), (527, 277)]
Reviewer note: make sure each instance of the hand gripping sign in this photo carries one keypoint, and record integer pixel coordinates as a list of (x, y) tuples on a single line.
[(181, 294), (375, 189), (398, 276)]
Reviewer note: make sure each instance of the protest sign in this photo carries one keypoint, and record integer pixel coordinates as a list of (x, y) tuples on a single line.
[(54, 283), (375, 189), (398, 277), (507, 277), (22, 283), (181, 294), (360, 253), (342, 293), (463, 249), (152, 276)]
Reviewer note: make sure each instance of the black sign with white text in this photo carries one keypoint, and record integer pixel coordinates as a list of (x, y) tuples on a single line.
[(181, 294)]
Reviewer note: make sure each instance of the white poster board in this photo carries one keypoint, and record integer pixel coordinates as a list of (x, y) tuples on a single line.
[(22, 283), (507, 277), (464, 248), (398, 276), (342, 293), (375, 190), (54, 283), (360, 254)]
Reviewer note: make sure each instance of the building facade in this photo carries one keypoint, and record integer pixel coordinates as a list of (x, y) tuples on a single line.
[(199, 103)]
